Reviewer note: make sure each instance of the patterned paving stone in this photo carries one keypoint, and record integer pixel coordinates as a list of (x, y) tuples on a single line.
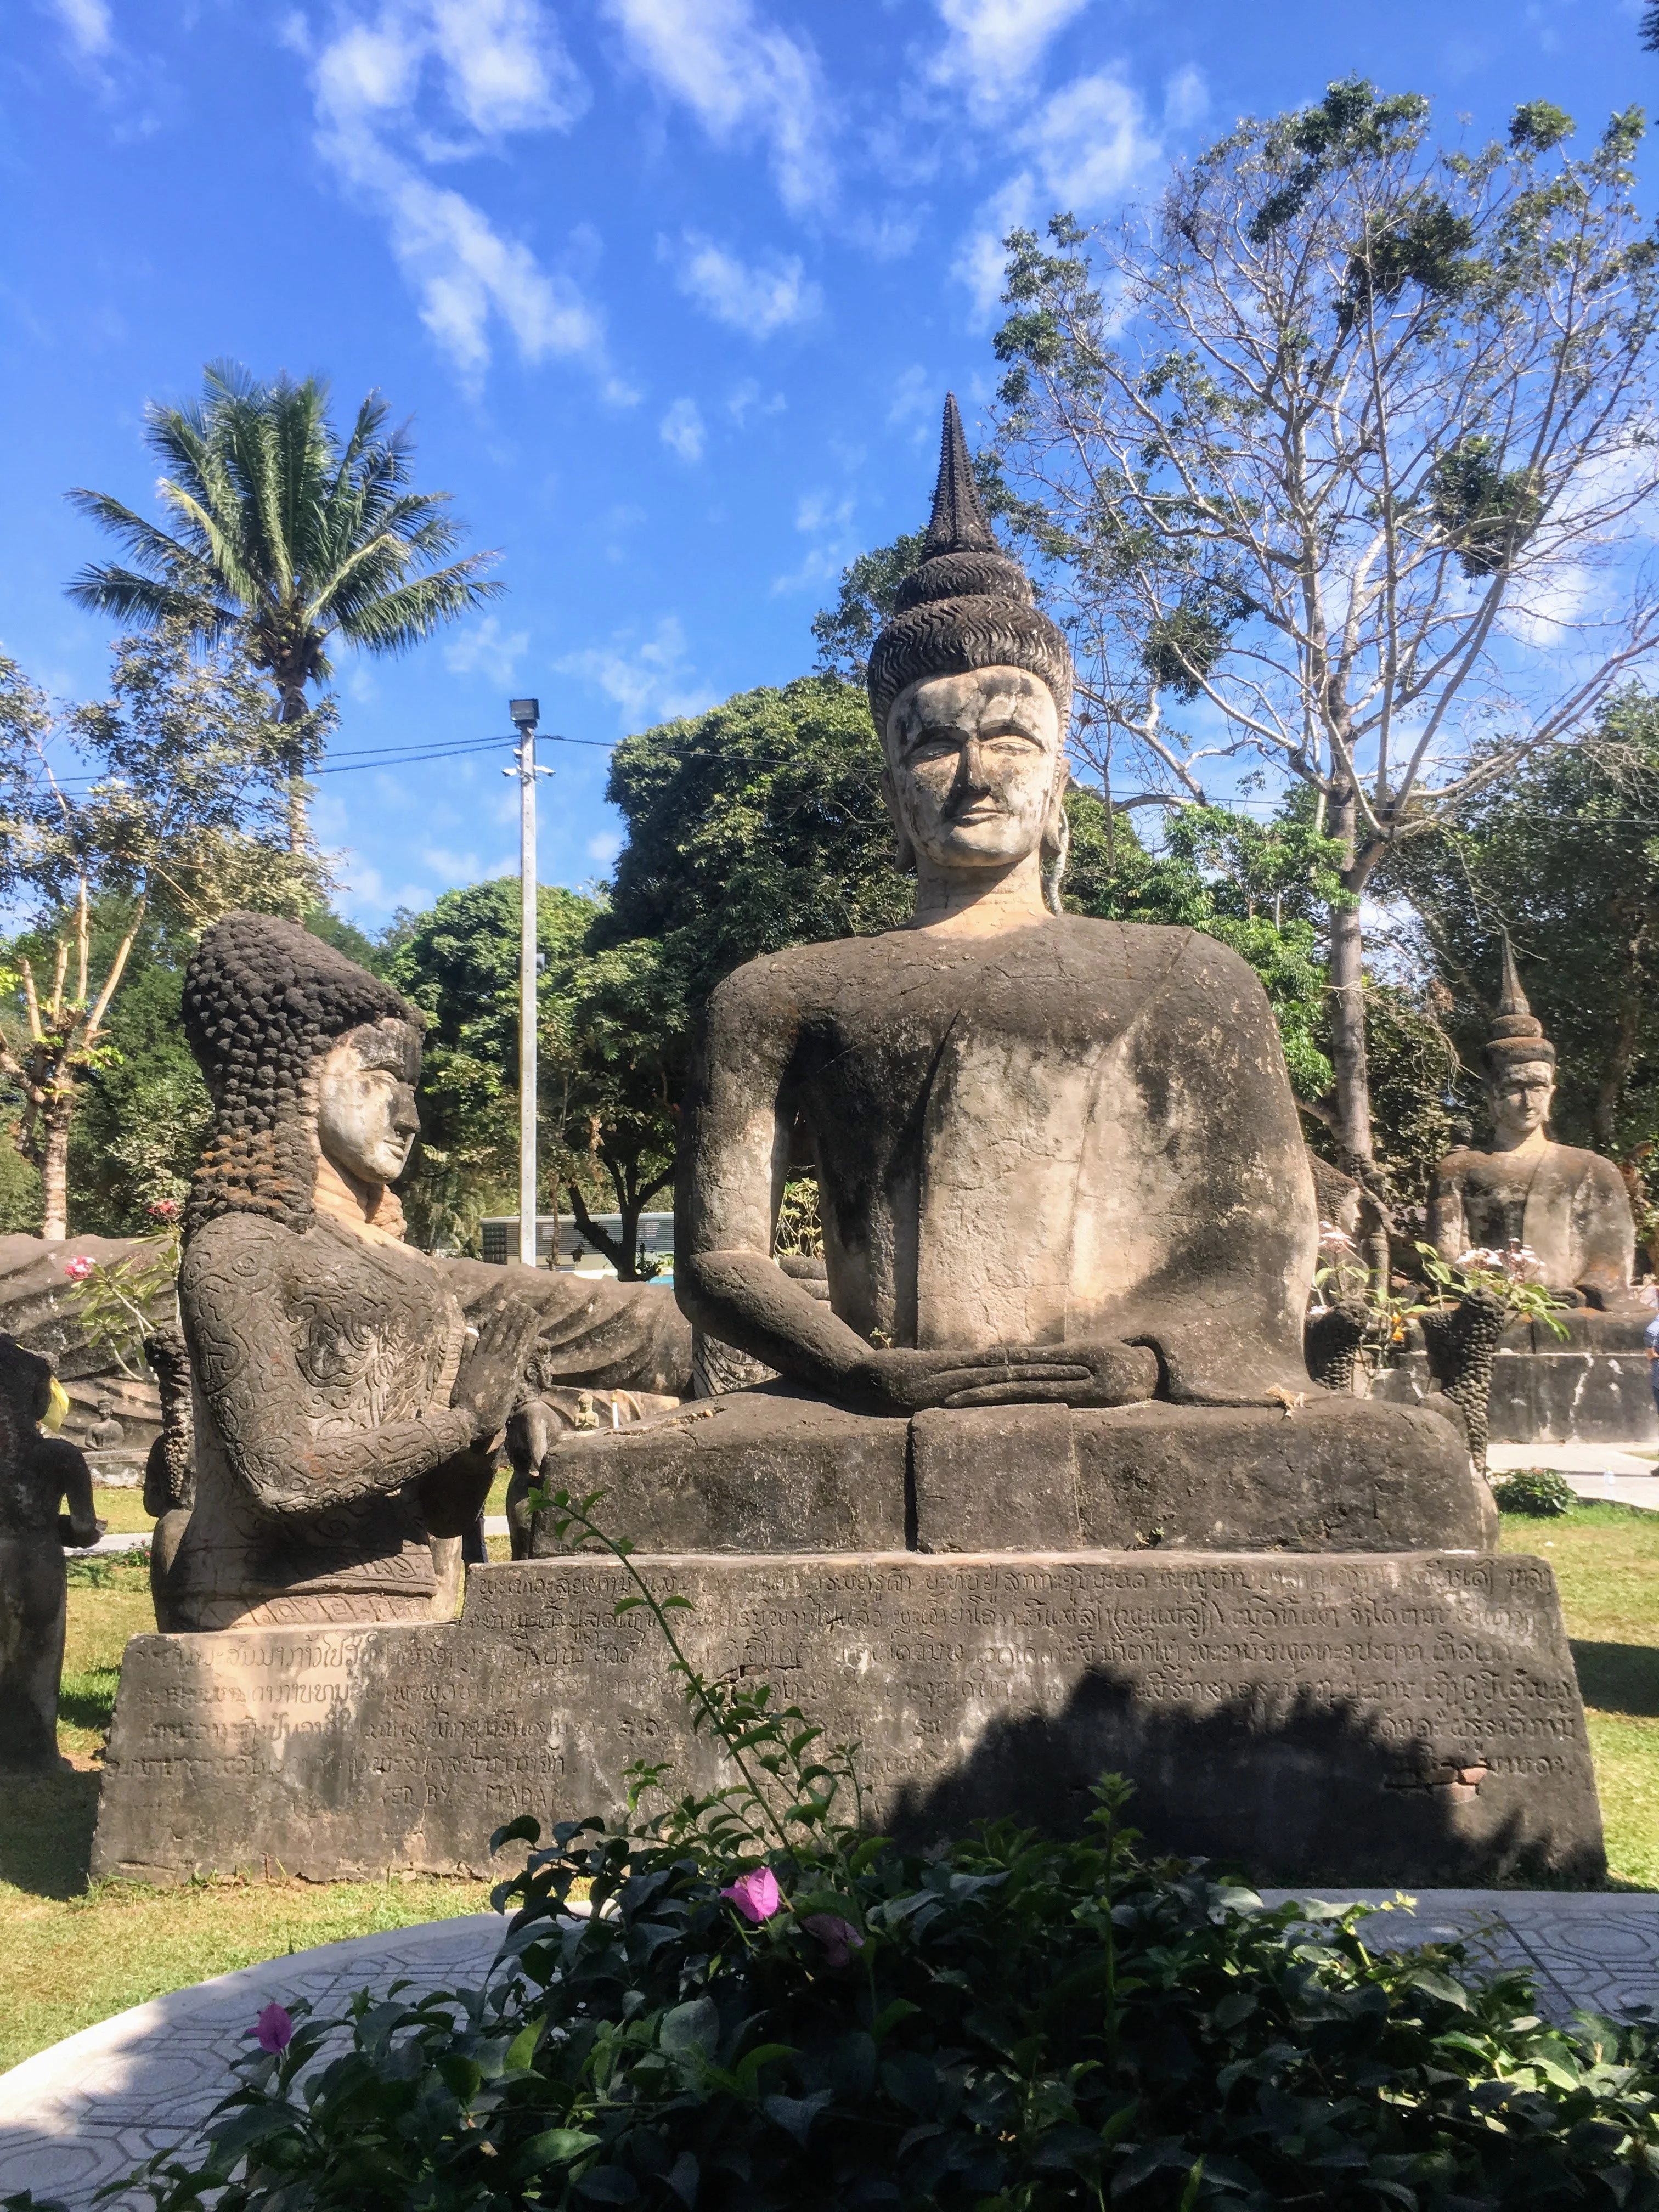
[(95, 2107)]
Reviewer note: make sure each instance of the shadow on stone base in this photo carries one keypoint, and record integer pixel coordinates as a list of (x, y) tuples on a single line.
[(1407, 1717)]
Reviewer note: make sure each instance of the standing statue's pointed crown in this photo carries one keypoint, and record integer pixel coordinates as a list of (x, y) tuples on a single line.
[(1517, 1033), (968, 604)]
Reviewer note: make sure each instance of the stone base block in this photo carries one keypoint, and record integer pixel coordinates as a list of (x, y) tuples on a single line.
[(771, 1471), (1550, 1397), (1358, 1719)]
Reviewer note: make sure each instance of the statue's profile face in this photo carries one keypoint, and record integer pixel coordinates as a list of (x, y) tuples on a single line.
[(973, 763), (366, 1116), (1519, 1099)]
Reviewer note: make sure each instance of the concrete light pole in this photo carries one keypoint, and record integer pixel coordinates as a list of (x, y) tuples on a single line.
[(526, 712)]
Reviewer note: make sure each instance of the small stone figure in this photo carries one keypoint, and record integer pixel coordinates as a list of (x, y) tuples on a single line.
[(170, 1467), (1570, 1206), (350, 1392), (36, 1473), (106, 1433)]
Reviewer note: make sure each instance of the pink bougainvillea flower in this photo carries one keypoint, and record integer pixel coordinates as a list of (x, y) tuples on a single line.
[(274, 2030), (839, 1937), (78, 1269), (756, 1895)]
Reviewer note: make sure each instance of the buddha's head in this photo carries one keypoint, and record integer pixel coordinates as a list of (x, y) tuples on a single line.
[(1519, 1097), (1519, 1085), (970, 686), (367, 1119), (307, 1057)]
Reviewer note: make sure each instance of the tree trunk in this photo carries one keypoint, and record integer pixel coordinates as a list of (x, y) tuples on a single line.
[(54, 1117), (1352, 1122), (294, 710), (615, 1248)]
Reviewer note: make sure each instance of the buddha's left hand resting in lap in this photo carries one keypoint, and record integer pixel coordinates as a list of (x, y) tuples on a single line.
[(1057, 1159), (351, 1391)]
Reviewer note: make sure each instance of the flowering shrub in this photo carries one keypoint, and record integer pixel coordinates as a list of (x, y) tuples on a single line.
[(1512, 1276), (1538, 1491), (1013, 2022), (79, 1267)]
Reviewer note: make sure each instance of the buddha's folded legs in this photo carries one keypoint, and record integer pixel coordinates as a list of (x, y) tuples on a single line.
[(772, 1470)]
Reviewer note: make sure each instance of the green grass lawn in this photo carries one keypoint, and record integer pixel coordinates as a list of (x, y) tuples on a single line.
[(72, 1953)]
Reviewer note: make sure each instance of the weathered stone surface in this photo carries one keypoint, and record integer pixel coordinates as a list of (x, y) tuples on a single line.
[(1549, 1397), (1409, 1718), (777, 1471), (37, 1473)]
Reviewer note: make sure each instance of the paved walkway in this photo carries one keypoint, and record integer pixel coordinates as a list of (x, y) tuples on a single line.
[(1613, 1473), (93, 2107)]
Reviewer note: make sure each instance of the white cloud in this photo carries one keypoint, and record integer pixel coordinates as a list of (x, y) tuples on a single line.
[(486, 650), (1088, 145), (682, 430), (981, 257), (913, 398), (740, 75), (647, 677), (370, 893), (759, 298), (88, 23), (1092, 142), (1186, 98), (821, 515), (604, 848), (495, 66), (996, 45)]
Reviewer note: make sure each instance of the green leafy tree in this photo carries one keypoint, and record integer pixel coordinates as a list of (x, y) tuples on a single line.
[(285, 535), (181, 819), (1329, 450), (458, 963), (1564, 857), (869, 588)]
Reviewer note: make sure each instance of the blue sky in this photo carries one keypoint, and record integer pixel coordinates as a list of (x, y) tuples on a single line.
[(672, 289)]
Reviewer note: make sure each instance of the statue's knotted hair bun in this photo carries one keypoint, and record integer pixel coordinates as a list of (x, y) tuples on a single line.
[(968, 604)]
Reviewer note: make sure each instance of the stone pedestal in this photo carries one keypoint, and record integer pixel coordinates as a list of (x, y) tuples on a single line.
[(1353, 1717), (1589, 1387)]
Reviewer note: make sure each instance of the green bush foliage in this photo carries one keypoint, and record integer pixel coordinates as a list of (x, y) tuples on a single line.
[(1538, 1491), (1012, 2021)]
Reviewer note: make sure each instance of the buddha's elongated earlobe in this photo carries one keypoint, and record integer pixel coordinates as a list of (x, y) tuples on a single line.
[(904, 852), (1055, 849)]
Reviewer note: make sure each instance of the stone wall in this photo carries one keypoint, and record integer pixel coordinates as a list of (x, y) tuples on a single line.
[(1410, 1718)]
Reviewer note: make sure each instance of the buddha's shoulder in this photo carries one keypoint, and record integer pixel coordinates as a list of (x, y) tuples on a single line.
[(1587, 1167), (1069, 945)]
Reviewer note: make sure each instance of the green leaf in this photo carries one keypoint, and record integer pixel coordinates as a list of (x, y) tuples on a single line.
[(554, 2147), (692, 2027)]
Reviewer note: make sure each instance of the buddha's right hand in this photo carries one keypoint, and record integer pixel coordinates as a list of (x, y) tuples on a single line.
[(1009, 1375), (492, 1373)]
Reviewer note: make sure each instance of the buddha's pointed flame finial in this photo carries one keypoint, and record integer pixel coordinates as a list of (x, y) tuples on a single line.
[(1511, 999), (958, 524)]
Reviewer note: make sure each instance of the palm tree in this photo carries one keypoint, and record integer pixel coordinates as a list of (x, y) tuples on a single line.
[(285, 535)]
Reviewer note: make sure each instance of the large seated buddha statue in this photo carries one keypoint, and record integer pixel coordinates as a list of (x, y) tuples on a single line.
[(1069, 1225), (349, 1392), (1568, 1206)]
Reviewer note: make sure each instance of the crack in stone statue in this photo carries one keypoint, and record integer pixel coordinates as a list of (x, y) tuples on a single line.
[(350, 1392)]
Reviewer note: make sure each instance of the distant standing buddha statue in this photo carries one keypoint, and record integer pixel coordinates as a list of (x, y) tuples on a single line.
[(1568, 1206)]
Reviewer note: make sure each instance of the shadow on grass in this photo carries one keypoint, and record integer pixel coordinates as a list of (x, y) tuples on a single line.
[(88, 1700), (1619, 1678), (46, 1822)]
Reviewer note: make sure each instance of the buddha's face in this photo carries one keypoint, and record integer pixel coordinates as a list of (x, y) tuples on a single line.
[(366, 1116), (973, 763), (1519, 1100)]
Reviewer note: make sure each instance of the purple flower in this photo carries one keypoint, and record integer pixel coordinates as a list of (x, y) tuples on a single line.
[(273, 2031), (839, 1937), (756, 1895)]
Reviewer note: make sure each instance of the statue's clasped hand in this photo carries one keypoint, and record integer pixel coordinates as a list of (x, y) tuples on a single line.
[(494, 1362), (901, 1382)]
